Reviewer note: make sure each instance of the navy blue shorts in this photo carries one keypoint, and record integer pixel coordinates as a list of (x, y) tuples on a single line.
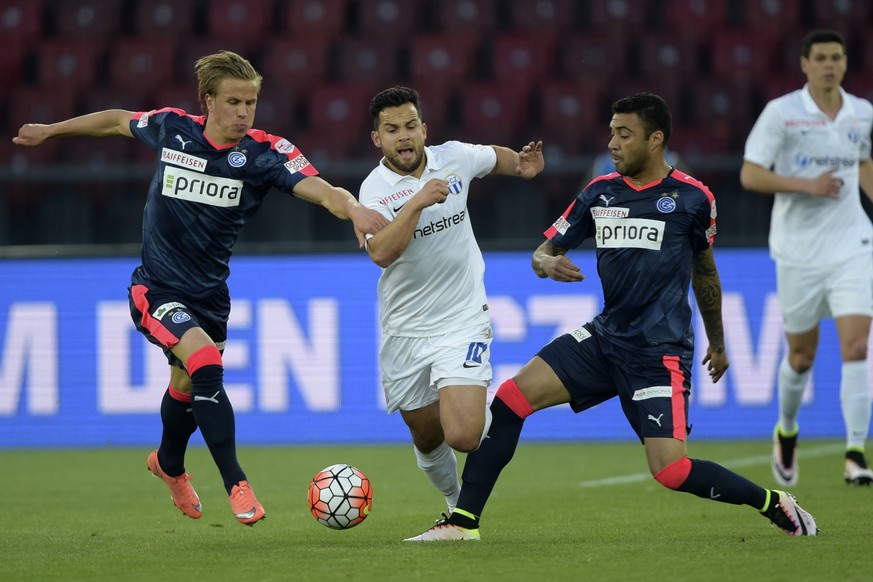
[(652, 383), (163, 317)]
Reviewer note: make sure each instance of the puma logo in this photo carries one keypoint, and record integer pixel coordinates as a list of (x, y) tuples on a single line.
[(713, 494), (182, 141), (603, 197), (658, 420), (213, 399)]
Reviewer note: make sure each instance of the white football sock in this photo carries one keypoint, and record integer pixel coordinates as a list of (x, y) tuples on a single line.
[(791, 388), (441, 467), (855, 401)]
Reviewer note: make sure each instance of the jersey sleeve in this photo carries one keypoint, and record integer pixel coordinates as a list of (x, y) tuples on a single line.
[(573, 226), (287, 164), (766, 137), (482, 158), (148, 126)]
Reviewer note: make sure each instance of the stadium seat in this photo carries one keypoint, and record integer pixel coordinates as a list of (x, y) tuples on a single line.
[(693, 141), (369, 61), (276, 111), (246, 23), (73, 63), (100, 98), (742, 57), (141, 63), (571, 112), (324, 19), (695, 18), (547, 16), (40, 105), (676, 95), (525, 60), (669, 57), (190, 50), (91, 19), (587, 56), (721, 100), (339, 118), (618, 15), (435, 107), (164, 18), (769, 18), (293, 63), (378, 17), (781, 84), (182, 96), (466, 16), (446, 60), (12, 63), (494, 113), (21, 20), (847, 16)]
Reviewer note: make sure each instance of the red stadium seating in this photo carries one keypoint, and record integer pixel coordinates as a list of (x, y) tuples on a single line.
[(435, 101), (466, 16), (324, 19), (92, 19), (586, 56), (769, 18), (339, 118), (294, 63), (366, 60), (244, 24), (191, 50), (618, 15), (276, 111), (723, 100), (493, 113), (742, 57), (182, 96), (40, 105), (69, 64), (164, 18), (21, 20), (141, 63), (695, 18), (669, 57), (847, 16), (573, 111), (523, 59), (391, 21), (547, 16), (446, 60), (100, 98)]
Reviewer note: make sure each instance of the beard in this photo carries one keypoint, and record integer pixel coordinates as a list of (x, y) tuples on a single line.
[(411, 165)]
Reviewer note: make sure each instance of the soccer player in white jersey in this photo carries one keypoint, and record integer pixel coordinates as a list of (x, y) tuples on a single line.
[(811, 148), (435, 353)]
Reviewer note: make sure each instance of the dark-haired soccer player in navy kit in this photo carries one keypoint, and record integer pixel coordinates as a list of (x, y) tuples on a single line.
[(653, 227), (213, 173)]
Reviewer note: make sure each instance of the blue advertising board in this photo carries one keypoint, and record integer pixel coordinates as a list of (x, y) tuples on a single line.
[(301, 362)]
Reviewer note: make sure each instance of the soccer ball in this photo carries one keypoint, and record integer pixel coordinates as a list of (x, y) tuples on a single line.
[(340, 496)]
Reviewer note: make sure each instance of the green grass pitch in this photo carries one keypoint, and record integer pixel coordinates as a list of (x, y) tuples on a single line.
[(561, 511)]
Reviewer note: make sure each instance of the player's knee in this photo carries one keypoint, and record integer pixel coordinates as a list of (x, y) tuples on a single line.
[(464, 442), (674, 475), (801, 361)]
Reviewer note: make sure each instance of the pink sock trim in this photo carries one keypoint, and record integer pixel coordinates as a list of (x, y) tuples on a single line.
[(674, 475), (514, 399), (180, 396), (206, 356)]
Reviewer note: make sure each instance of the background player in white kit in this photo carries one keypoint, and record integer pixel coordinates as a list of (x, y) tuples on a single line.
[(436, 328), (811, 148)]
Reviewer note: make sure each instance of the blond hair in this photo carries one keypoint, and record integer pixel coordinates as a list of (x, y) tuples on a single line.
[(211, 69)]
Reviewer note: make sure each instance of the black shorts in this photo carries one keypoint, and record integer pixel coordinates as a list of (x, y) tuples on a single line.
[(652, 383), (163, 317)]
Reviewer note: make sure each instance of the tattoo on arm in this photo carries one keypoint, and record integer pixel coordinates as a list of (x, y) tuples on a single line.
[(544, 251), (707, 292)]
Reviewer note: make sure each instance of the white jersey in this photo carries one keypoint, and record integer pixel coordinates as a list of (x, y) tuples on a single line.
[(795, 138), (438, 284)]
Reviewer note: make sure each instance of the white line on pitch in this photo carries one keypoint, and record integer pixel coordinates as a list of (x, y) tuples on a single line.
[(819, 451)]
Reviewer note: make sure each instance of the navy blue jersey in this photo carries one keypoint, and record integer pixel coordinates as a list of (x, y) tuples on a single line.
[(202, 194), (645, 239)]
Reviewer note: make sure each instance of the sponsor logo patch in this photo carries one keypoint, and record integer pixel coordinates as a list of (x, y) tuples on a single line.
[(580, 334), (653, 392), (200, 188), (632, 233), (144, 120), (162, 310), (284, 146), (296, 164), (178, 158), (561, 225), (616, 212)]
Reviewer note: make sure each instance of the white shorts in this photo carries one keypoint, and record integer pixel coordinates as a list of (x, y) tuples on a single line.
[(415, 368), (807, 295)]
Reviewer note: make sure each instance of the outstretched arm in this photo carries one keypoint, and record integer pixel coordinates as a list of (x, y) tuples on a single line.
[(526, 164), (341, 203), (108, 123), (707, 291)]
